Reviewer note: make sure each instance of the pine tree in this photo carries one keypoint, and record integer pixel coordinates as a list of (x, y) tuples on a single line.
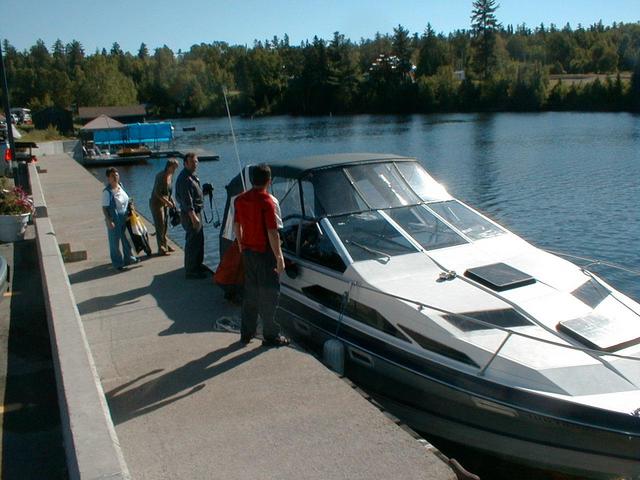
[(484, 28), (402, 49), (143, 52)]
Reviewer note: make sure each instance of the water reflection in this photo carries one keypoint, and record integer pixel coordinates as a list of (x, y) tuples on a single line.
[(483, 166)]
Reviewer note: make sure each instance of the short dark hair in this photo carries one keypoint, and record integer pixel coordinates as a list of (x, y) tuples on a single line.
[(260, 175), (111, 170), (189, 156)]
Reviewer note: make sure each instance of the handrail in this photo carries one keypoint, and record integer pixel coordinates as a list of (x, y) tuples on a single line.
[(593, 261), (492, 326), (495, 354)]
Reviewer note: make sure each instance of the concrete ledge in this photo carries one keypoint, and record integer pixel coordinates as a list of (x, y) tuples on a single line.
[(36, 192), (56, 147), (91, 445)]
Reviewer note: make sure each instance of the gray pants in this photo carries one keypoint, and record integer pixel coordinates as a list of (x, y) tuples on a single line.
[(260, 294), (193, 245)]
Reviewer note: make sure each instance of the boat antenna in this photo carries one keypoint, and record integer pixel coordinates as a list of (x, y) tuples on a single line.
[(233, 135)]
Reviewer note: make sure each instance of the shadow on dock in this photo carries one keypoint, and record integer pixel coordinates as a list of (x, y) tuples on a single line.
[(126, 403), (170, 293)]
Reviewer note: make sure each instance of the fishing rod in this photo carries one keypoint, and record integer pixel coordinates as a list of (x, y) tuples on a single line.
[(233, 135)]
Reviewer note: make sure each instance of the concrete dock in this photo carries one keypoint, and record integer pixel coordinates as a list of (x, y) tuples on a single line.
[(186, 399)]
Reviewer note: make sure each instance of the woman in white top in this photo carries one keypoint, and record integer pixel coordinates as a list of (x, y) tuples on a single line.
[(114, 206)]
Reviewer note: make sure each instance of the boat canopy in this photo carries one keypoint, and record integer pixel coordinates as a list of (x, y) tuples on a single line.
[(134, 134), (338, 184), (375, 205)]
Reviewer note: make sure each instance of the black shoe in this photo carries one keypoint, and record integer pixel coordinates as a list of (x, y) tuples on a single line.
[(195, 275), (279, 341), (245, 340)]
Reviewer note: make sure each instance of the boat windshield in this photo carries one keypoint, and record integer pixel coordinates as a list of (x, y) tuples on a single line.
[(425, 228), (368, 235), (421, 182), (385, 209), (381, 186), (466, 220), (361, 188)]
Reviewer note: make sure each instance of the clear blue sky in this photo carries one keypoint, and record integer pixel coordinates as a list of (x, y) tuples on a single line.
[(182, 23)]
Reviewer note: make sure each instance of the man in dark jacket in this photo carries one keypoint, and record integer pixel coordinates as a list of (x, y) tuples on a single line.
[(190, 201)]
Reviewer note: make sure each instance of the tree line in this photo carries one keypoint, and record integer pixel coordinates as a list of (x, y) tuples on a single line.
[(488, 67)]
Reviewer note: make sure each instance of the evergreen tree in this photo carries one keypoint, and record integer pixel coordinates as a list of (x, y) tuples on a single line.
[(402, 50), (143, 51), (433, 53), (116, 51), (75, 55), (484, 27)]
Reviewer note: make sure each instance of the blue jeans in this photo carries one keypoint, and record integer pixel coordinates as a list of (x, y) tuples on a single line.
[(116, 236)]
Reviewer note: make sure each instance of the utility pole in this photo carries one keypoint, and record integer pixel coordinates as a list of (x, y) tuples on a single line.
[(7, 107)]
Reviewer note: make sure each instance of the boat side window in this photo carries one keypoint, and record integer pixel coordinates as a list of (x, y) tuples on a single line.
[(334, 193), (428, 230), (311, 208), (316, 246), (288, 194), (466, 220), (368, 236), (289, 235), (356, 310)]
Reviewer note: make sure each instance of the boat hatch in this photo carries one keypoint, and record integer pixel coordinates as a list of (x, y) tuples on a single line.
[(504, 318), (499, 277), (602, 333), (591, 293)]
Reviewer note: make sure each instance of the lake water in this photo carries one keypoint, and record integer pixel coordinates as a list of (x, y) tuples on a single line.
[(567, 182)]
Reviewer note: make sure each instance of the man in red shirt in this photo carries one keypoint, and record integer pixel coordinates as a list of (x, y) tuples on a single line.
[(256, 228)]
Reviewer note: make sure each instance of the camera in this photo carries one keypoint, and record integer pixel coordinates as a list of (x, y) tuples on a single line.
[(174, 216), (207, 191)]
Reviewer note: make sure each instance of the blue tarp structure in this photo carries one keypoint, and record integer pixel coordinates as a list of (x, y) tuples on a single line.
[(134, 134)]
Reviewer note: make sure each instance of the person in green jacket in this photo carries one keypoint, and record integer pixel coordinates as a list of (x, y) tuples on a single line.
[(160, 202)]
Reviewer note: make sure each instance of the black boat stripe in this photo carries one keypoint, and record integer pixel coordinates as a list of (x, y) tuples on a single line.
[(586, 417)]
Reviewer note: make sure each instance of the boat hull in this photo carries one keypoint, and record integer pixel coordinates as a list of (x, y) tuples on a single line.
[(472, 411)]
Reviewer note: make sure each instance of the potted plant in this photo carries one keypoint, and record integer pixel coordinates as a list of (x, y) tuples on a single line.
[(15, 209)]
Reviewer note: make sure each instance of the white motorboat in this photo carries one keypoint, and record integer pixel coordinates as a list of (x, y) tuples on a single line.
[(462, 328)]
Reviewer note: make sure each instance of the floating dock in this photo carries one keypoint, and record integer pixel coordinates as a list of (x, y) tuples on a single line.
[(107, 160)]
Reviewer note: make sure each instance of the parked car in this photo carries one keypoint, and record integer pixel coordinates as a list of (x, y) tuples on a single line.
[(22, 115)]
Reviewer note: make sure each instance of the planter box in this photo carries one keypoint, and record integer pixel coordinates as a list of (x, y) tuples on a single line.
[(12, 227)]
